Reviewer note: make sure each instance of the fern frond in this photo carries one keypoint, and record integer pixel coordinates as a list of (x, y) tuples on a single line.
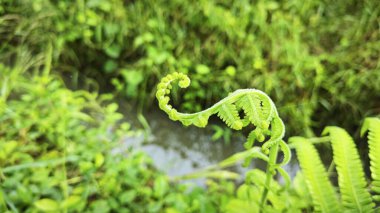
[(286, 177), (372, 125), (245, 120), (277, 133), (252, 107), (352, 184), (321, 189), (250, 139), (287, 153), (267, 107), (258, 107), (229, 114)]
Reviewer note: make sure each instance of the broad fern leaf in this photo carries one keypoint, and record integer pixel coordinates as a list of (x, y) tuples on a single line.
[(372, 125), (352, 183), (230, 115), (321, 189)]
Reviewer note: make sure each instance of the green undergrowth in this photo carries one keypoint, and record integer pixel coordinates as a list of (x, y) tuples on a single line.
[(57, 154), (318, 60), (254, 110), (311, 190)]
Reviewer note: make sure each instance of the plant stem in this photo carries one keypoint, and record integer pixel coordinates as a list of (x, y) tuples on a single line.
[(315, 140), (269, 173)]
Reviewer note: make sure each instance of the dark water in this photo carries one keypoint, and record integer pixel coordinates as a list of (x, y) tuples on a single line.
[(178, 150)]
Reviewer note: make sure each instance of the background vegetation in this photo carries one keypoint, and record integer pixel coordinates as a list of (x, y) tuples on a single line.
[(318, 61)]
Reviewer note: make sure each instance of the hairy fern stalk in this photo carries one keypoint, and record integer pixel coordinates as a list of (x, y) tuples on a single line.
[(259, 110)]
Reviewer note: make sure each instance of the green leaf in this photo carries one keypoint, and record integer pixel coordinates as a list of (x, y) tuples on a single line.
[(110, 66), (352, 183), (71, 201), (133, 79), (251, 105), (231, 71), (218, 132), (111, 28), (113, 51), (47, 205), (229, 114), (161, 186), (99, 160), (238, 206), (300, 186), (100, 206), (202, 69), (128, 196), (372, 125), (321, 189)]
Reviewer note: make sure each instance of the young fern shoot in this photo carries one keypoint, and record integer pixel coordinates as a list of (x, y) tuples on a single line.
[(259, 110)]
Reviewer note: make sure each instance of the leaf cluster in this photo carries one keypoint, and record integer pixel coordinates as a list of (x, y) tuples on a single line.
[(58, 153)]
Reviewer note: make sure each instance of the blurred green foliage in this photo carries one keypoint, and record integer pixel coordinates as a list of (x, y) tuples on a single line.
[(57, 154), (318, 60)]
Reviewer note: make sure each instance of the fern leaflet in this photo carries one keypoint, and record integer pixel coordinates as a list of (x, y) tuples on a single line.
[(321, 190), (372, 125), (229, 114), (251, 106), (352, 184)]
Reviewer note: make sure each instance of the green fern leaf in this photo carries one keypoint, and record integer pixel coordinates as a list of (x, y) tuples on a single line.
[(372, 125), (277, 133), (259, 110), (287, 153), (250, 140), (267, 107), (321, 190), (352, 184), (245, 121), (252, 107), (229, 114)]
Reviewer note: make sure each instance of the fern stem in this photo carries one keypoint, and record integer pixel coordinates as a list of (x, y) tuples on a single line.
[(331, 168), (314, 140), (269, 174)]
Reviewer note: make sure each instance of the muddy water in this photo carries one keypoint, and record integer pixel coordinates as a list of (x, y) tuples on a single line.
[(179, 150)]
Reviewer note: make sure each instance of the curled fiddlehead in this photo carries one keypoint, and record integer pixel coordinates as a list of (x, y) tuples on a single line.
[(259, 110)]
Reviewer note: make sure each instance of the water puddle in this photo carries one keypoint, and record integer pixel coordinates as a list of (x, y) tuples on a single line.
[(178, 150)]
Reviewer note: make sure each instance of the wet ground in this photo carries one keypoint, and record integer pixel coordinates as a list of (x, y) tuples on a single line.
[(178, 150)]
